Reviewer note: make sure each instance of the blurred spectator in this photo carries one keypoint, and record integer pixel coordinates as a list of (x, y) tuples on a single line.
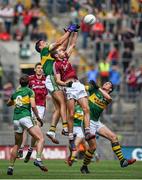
[(1, 75), (19, 7), (27, 17), (19, 30), (126, 58), (97, 29), (36, 2), (115, 77), (92, 74), (74, 16), (73, 3), (36, 34), (35, 16), (140, 28), (85, 29), (18, 11), (131, 80), (7, 13), (113, 56), (98, 48), (107, 38), (139, 79), (127, 37), (7, 114), (104, 69)]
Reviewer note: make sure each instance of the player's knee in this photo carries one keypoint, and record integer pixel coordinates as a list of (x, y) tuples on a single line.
[(42, 140), (57, 112), (71, 114), (85, 110)]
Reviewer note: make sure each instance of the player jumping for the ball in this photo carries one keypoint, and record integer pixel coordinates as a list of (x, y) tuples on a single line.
[(99, 98), (66, 76), (57, 95)]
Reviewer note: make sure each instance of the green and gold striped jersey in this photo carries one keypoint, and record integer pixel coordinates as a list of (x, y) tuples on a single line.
[(78, 116), (21, 99), (97, 103), (47, 61)]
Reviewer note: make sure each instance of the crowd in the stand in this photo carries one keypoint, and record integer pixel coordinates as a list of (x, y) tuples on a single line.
[(118, 24), (18, 21)]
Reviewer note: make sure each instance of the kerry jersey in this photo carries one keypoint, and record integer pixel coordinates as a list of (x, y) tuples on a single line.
[(21, 99), (47, 61), (97, 103)]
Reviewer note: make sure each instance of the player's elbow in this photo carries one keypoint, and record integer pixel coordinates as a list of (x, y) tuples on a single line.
[(33, 106), (58, 43), (57, 81)]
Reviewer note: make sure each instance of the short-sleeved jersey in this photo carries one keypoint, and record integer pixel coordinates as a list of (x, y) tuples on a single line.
[(47, 61), (21, 98), (65, 69), (38, 86), (78, 116), (97, 103)]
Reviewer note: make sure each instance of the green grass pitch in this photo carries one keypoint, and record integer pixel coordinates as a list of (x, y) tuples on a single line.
[(57, 169)]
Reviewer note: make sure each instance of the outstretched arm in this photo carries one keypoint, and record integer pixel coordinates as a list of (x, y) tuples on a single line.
[(65, 44), (60, 41), (72, 44), (105, 94)]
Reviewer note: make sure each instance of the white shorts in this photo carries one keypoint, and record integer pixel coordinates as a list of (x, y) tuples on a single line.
[(78, 131), (95, 126), (23, 123), (76, 92), (51, 84), (41, 112)]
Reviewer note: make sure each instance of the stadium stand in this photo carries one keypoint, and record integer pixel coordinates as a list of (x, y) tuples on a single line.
[(47, 20)]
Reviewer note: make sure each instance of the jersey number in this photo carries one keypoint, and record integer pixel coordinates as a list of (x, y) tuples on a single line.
[(18, 101)]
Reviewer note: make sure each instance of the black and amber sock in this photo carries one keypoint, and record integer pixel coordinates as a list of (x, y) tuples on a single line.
[(65, 125), (52, 128), (87, 157), (117, 150)]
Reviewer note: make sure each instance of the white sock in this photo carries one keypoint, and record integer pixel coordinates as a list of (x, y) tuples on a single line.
[(71, 136), (11, 167), (38, 159)]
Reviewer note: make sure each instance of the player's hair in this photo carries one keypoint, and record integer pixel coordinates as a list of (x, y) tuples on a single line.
[(24, 80), (37, 64), (37, 46), (53, 53), (112, 86)]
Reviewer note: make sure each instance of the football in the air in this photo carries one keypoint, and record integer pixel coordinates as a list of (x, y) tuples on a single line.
[(89, 19)]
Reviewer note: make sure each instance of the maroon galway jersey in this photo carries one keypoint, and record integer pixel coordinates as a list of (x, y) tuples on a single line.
[(65, 69), (38, 86)]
